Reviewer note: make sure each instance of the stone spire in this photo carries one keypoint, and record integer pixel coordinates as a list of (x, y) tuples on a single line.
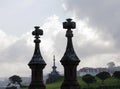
[(37, 63), (70, 59), (54, 75), (54, 66), (54, 60)]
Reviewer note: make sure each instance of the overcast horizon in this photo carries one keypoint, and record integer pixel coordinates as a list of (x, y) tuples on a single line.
[(96, 37)]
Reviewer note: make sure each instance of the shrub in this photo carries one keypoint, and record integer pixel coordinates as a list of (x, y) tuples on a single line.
[(88, 79), (103, 76)]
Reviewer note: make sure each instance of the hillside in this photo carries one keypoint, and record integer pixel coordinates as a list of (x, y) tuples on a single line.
[(109, 82)]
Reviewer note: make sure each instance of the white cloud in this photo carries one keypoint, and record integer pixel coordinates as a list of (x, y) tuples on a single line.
[(91, 48), (6, 40), (18, 51), (14, 54)]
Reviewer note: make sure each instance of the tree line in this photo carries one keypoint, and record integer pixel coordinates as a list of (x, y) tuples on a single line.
[(89, 79)]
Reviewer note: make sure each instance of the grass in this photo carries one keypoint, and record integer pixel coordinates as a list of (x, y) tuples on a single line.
[(55, 85), (108, 82)]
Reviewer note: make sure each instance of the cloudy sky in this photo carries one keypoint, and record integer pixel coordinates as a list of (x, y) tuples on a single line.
[(96, 37)]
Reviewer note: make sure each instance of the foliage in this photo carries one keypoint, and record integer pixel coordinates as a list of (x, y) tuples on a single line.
[(103, 76), (15, 79), (88, 79), (110, 83), (116, 74)]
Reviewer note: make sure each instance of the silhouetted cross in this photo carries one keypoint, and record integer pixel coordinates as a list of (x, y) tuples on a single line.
[(69, 25), (37, 32)]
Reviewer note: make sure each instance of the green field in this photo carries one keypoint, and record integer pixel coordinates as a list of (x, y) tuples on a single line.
[(109, 82)]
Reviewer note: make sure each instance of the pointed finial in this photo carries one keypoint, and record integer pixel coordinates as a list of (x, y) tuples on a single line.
[(69, 19), (37, 57), (70, 59), (54, 60), (69, 53), (54, 57), (37, 63)]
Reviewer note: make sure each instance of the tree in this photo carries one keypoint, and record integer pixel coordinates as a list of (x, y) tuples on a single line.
[(103, 76), (116, 74), (88, 79), (15, 79)]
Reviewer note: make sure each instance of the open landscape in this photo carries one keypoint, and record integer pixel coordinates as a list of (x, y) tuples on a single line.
[(59, 44), (110, 82)]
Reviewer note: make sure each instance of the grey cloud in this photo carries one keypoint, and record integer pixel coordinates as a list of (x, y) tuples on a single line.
[(15, 57), (83, 47), (103, 15), (19, 51)]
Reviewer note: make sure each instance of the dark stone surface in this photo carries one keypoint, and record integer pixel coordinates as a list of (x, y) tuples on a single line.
[(37, 63), (70, 59)]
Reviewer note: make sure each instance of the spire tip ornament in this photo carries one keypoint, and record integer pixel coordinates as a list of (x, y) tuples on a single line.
[(69, 24), (37, 32)]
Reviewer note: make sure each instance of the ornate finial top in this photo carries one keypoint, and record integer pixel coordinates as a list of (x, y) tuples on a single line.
[(70, 56), (37, 57), (69, 19), (37, 32), (69, 24)]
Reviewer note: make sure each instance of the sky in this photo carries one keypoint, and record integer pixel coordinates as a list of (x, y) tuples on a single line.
[(96, 37)]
